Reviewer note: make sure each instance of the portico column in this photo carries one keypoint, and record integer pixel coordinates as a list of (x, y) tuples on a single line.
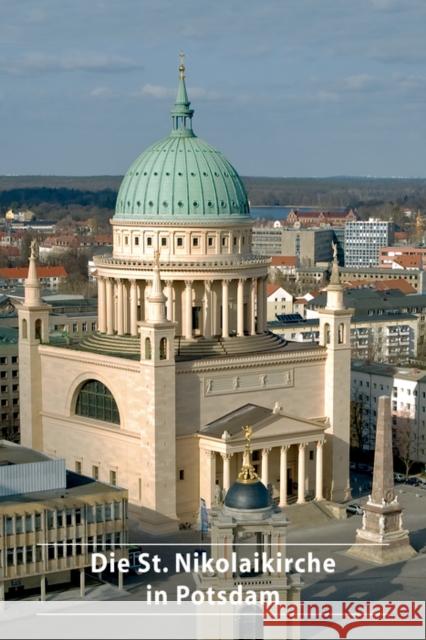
[(265, 466), (225, 308), (101, 304), (169, 296), (265, 308), (260, 294), (110, 306), (126, 306), (120, 300), (208, 476), (283, 475), (226, 457), (301, 474), (133, 308), (207, 310), (240, 307), (188, 309), (319, 472), (141, 286), (253, 286)]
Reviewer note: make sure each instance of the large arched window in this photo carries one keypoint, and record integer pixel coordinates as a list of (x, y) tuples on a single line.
[(96, 401)]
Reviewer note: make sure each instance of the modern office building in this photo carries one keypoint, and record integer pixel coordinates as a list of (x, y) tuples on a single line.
[(385, 306), (51, 520), (364, 239), (384, 338), (9, 384), (309, 246)]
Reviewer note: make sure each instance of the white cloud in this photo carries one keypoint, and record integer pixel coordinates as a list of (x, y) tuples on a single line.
[(155, 91), (359, 82), (91, 62), (101, 92)]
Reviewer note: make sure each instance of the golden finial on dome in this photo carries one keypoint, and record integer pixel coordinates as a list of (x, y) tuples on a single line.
[(181, 64), (247, 473)]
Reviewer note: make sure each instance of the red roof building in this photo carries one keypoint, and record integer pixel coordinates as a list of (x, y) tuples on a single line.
[(332, 218)]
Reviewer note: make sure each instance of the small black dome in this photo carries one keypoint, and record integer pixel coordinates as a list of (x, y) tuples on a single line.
[(251, 495)]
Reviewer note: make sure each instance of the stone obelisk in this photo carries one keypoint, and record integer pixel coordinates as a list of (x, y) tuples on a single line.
[(382, 538)]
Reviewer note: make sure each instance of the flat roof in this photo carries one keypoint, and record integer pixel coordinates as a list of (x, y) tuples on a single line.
[(76, 485), (383, 369), (16, 454)]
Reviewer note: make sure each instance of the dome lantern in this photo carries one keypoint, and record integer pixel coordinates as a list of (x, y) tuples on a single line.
[(181, 112)]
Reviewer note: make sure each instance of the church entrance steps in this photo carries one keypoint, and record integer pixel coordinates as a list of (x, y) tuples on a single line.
[(307, 515)]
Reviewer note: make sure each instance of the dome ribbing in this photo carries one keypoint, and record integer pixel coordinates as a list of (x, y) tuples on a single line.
[(181, 177)]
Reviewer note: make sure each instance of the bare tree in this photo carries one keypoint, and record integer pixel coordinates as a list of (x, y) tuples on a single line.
[(403, 439), (357, 425)]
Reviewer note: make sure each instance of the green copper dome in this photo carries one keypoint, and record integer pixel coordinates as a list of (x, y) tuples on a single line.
[(181, 177)]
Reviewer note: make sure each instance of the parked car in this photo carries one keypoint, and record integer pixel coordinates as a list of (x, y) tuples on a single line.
[(413, 481), (398, 477), (355, 509)]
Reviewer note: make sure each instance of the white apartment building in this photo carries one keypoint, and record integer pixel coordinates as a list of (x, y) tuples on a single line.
[(363, 241), (407, 388)]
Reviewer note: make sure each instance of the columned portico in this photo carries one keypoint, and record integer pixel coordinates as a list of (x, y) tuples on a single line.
[(225, 306), (281, 465)]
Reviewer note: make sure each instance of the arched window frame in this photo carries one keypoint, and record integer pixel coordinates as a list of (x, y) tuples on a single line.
[(95, 401), (148, 349), (163, 349), (327, 333)]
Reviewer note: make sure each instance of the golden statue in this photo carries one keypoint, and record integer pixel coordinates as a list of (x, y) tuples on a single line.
[(247, 473)]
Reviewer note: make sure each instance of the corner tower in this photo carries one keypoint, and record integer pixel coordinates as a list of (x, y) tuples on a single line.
[(33, 318), (335, 326), (158, 370)]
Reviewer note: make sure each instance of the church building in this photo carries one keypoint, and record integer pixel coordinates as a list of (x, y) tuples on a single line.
[(156, 399)]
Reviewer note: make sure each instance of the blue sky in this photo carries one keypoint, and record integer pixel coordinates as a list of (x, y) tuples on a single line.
[(282, 87)]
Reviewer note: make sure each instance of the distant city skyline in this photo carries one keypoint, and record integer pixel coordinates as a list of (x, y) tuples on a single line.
[(283, 88)]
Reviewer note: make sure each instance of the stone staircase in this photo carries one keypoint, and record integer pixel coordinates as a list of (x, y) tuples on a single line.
[(308, 515), (195, 349)]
